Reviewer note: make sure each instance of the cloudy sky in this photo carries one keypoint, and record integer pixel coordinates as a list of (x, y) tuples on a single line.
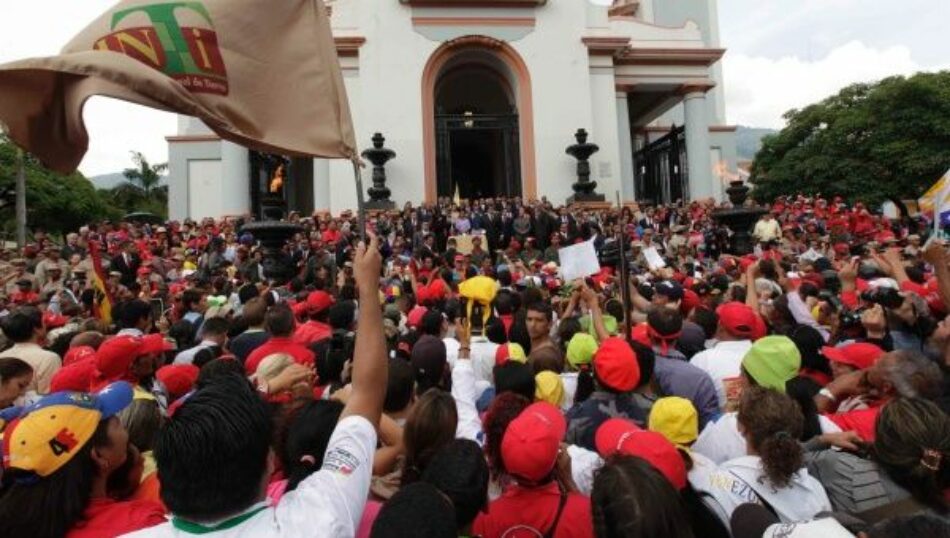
[(782, 54)]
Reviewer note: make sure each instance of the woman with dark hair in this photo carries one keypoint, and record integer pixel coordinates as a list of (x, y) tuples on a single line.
[(64, 486), (15, 378), (430, 425), (632, 499), (905, 472), (772, 472), (504, 408), (809, 343)]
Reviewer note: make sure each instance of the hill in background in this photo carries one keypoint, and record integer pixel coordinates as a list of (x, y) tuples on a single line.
[(749, 140), (108, 181)]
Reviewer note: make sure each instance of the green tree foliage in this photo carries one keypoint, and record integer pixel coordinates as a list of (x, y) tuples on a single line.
[(142, 190), (54, 202), (870, 142)]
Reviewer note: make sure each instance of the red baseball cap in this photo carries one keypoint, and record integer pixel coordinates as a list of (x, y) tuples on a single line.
[(616, 365), (178, 379), (78, 353), (76, 377), (116, 354), (318, 301), (690, 301), (52, 320), (437, 290), (861, 355), (415, 316), (641, 333), (530, 445), (617, 435), (737, 318)]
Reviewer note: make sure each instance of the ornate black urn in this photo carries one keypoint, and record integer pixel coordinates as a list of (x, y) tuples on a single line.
[(584, 187), (379, 192), (273, 234), (739, 219)]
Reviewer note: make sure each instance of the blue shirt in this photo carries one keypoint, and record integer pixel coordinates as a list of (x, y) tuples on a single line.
[(679, 378), (584, 418)]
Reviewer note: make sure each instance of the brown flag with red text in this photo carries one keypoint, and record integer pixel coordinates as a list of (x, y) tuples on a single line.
[(261, 73)]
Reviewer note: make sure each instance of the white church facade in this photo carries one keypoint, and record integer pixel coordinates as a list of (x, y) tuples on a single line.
[(481, 97)]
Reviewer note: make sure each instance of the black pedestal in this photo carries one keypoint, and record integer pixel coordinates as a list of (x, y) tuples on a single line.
[(740, 221), (586, 197), (380, 205)]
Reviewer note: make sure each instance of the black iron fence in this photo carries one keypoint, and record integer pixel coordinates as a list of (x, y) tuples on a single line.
[(660, 170)]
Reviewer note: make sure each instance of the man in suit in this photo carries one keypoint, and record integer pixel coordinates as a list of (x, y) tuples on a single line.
[(126, 262), (565, 219), (491, 223)]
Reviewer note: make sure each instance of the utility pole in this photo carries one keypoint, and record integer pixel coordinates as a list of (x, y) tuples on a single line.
[(21, 199)]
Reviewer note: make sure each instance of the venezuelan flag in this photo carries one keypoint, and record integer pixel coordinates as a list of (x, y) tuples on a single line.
[(929, 201), (102, 304)]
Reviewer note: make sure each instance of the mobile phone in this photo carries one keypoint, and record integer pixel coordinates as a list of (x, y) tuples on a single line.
[(158, 309)]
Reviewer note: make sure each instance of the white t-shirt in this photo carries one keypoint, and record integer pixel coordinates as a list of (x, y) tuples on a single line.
[(483, 358), (451, 350), (328, 503), (584, 463), (723, 363), (740, 481), (569, 381), (721, 441)]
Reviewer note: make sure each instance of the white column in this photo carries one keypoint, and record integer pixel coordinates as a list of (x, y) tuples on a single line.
[(697, 145), (321, 185), (605, 164), (235, 173), (627, 190)]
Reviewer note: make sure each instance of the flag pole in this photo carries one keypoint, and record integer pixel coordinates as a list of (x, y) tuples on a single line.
[(360, 202), (624, 276), (21, 199)]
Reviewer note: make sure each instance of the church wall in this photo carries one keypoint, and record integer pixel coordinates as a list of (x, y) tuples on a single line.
[(180, 157), (385, 96), (558, 63)]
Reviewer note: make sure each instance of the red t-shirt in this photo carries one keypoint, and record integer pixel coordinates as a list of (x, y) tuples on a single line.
[(519, 510), (301, 354), (106, 517), (312, 331), (861, 421), (330, 236)]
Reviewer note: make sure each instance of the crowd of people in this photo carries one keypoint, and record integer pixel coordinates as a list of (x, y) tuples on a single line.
[(442, 378)]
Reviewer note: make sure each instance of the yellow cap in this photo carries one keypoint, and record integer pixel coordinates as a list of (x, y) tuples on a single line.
[(548, 388), (676, 419)]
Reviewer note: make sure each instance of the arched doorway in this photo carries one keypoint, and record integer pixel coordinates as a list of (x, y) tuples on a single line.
[(478, 131)]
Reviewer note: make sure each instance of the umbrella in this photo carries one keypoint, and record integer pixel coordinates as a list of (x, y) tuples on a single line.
[(144, 216)]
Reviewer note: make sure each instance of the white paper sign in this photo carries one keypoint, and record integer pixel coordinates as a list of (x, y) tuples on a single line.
[(653, 258), (810, 255), (578, 261)]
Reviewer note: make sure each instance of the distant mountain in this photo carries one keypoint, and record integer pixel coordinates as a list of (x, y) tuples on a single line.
[(108, 181), (749, 140)]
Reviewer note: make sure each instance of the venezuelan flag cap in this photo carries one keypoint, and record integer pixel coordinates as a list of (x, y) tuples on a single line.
[(47, 434)]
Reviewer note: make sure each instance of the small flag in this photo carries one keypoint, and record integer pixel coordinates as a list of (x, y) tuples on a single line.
[(102, 302), (262, 74)]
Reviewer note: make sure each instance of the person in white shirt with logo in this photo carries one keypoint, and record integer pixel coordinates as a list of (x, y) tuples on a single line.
[(723, 362), (214, 455), (772, 472)]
